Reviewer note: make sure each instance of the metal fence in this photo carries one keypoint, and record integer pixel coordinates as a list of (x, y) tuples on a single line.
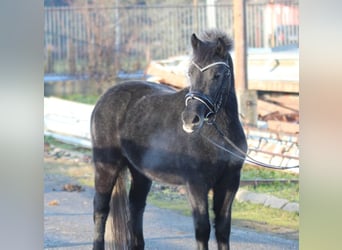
[(82, 39)]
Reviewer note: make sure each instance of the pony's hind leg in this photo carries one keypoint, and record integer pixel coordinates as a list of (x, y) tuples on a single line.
[(106, 173), (140, 187), (224, 193)]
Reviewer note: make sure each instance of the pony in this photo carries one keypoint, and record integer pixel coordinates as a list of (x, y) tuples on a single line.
[(157, 133)]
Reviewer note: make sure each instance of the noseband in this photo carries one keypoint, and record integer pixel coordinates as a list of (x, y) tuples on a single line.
[(212, 106)]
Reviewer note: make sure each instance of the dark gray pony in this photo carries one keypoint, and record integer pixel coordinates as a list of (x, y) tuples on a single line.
[(161, 134)]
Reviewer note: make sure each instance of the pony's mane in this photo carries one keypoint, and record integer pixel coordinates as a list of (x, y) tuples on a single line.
[(210, 39), (212, 35)]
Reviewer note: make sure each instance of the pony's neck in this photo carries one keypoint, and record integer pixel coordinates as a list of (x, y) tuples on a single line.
[(231, 100), (230, 104)]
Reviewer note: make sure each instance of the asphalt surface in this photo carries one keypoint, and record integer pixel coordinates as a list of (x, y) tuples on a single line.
[(68, 224)]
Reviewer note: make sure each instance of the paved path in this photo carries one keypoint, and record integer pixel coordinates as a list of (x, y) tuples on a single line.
[(68, 225)]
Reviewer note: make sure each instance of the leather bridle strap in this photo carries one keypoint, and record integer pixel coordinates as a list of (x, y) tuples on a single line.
[(203, 99), (206, 100), (209, 66)]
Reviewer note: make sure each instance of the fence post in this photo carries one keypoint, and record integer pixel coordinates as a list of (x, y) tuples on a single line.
[(71, 57), (247, 100), (195, 13), (49, 66), (211, 15)]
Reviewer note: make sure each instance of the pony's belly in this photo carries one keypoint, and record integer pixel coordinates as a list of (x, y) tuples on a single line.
[(163, 177), (155, 151), (159, 165)]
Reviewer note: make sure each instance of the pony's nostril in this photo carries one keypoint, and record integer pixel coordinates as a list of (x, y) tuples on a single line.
[(196, 120)]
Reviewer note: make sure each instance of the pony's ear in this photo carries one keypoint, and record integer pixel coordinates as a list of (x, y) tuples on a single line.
[(195, 42), (221, 48)]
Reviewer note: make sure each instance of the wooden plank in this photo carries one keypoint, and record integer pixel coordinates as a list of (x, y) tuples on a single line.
[(274, 85), (266, 108), (287, 101), (67, 118), (167, 76), (286, 127)]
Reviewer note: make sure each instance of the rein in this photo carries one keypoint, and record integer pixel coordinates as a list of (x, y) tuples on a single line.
[(242, 155)]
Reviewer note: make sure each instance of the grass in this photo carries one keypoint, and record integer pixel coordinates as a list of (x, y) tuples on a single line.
[(169, 198), (87, 99), (246, 213), (180, 204), (81, 173), (250, 171), (267, 215), (288, 190)]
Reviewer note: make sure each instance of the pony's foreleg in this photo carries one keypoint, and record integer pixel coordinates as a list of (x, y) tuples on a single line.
[(224, 193), (140, 186), (198, 198), (105, 177)]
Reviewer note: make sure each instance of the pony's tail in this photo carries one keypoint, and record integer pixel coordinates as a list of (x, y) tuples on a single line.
[(118, 230)]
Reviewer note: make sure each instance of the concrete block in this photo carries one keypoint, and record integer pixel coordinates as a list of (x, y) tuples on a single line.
[(291, 207), (275, 202), (244, 196)]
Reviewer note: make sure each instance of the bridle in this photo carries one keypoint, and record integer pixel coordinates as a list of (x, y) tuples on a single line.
[(212, 106)]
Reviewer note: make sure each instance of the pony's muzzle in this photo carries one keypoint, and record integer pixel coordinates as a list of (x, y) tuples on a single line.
[(191, 121)]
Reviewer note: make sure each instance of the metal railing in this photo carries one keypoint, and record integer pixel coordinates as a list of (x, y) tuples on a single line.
[(81, 39)]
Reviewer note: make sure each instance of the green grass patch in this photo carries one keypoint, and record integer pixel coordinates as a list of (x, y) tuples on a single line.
[(81, 173), (87, 99), (284, 190), (288, 191), (262, 214), (252, 172), (242, 211), (180, 204)]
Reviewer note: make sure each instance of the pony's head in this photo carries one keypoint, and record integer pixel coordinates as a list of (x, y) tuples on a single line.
[(211, 76)]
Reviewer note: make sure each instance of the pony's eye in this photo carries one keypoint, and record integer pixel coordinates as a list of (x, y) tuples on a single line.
[(217, 76)]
